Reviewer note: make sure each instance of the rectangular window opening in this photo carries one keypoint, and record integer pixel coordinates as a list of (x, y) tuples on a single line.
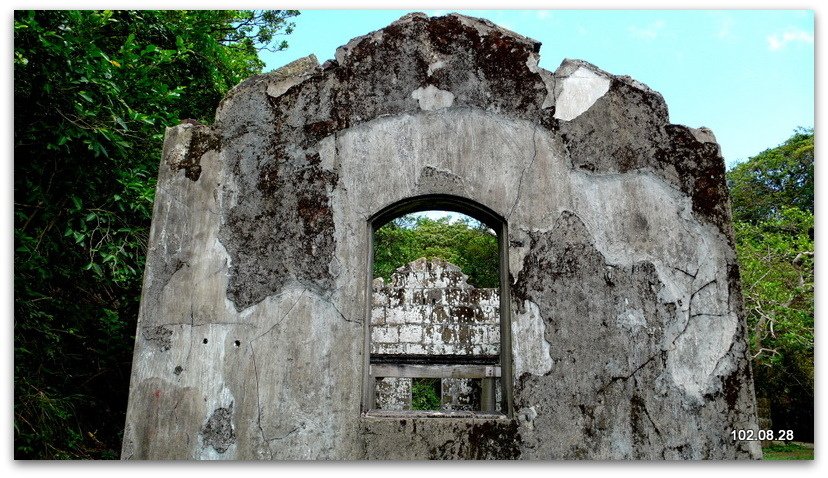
[(435, 340)]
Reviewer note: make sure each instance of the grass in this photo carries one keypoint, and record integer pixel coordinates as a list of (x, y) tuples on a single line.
[(790, 451), (425, 394)]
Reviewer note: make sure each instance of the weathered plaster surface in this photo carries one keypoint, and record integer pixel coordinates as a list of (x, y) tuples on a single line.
[(428, 308), (627, 329), (579, 91)]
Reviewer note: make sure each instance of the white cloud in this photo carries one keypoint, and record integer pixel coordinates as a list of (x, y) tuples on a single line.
[(542, 14), (649, 32), (777, 41), (725, 28)]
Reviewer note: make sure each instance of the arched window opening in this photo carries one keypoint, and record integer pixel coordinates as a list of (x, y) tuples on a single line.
[(435, 340)]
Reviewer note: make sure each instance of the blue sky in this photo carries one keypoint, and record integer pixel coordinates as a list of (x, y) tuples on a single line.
[(748, 75)]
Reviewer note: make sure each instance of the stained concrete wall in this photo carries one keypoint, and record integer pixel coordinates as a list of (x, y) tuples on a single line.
[(428, 308), (628, 339)]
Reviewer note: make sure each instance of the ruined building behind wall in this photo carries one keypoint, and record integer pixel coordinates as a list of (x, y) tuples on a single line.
[(429, 315), (621, 333)]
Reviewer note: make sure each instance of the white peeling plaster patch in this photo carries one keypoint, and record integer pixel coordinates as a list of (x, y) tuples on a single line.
[(177, 143), (527, 415), (702, 345), (621, 443), (518, 253), (686, 255), (548, 80), (435, 66), (579, 92), (327, 152), (432, 98), (529, 347), (630, 319), (532, 63), (610, 207), (278, 88), (228, 195)]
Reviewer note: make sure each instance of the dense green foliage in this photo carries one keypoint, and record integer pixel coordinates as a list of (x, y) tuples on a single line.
[(93, 92), (466, 243), (777, 178), (425, 393), (772, 196)]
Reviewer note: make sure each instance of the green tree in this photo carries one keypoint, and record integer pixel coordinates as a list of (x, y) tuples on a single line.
[(775, 178), (772, 199), (466, 243), (93, 92)]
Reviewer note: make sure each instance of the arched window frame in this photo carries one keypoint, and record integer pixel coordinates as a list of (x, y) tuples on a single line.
[(479, 212)]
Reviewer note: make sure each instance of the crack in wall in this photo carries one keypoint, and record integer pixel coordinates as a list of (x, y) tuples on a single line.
[(704, 314), (685, 272), (279, 322), (292, 288), (294, 430), (650, 418), (690, 314), (259, 402), (523, 173), (727, 354), (211, 324), (624, 378), (341, 315)]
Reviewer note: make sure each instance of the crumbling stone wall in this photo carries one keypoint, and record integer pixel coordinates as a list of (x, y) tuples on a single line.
[(624, 301), (428, 309)]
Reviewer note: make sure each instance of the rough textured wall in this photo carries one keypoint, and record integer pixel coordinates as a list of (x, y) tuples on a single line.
[(428, 308), (628, 339)]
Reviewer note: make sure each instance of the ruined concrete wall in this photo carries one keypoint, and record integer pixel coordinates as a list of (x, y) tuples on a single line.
[(628, 339), (428, 308)]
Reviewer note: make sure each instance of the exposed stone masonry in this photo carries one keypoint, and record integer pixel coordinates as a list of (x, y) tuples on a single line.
[(429, 309)]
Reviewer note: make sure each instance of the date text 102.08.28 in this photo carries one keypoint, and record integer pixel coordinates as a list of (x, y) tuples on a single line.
[(763, 435)]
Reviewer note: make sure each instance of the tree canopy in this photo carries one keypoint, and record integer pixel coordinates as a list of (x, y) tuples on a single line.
[(93, 92), (776, 178), (466, 243), (772, 198)]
